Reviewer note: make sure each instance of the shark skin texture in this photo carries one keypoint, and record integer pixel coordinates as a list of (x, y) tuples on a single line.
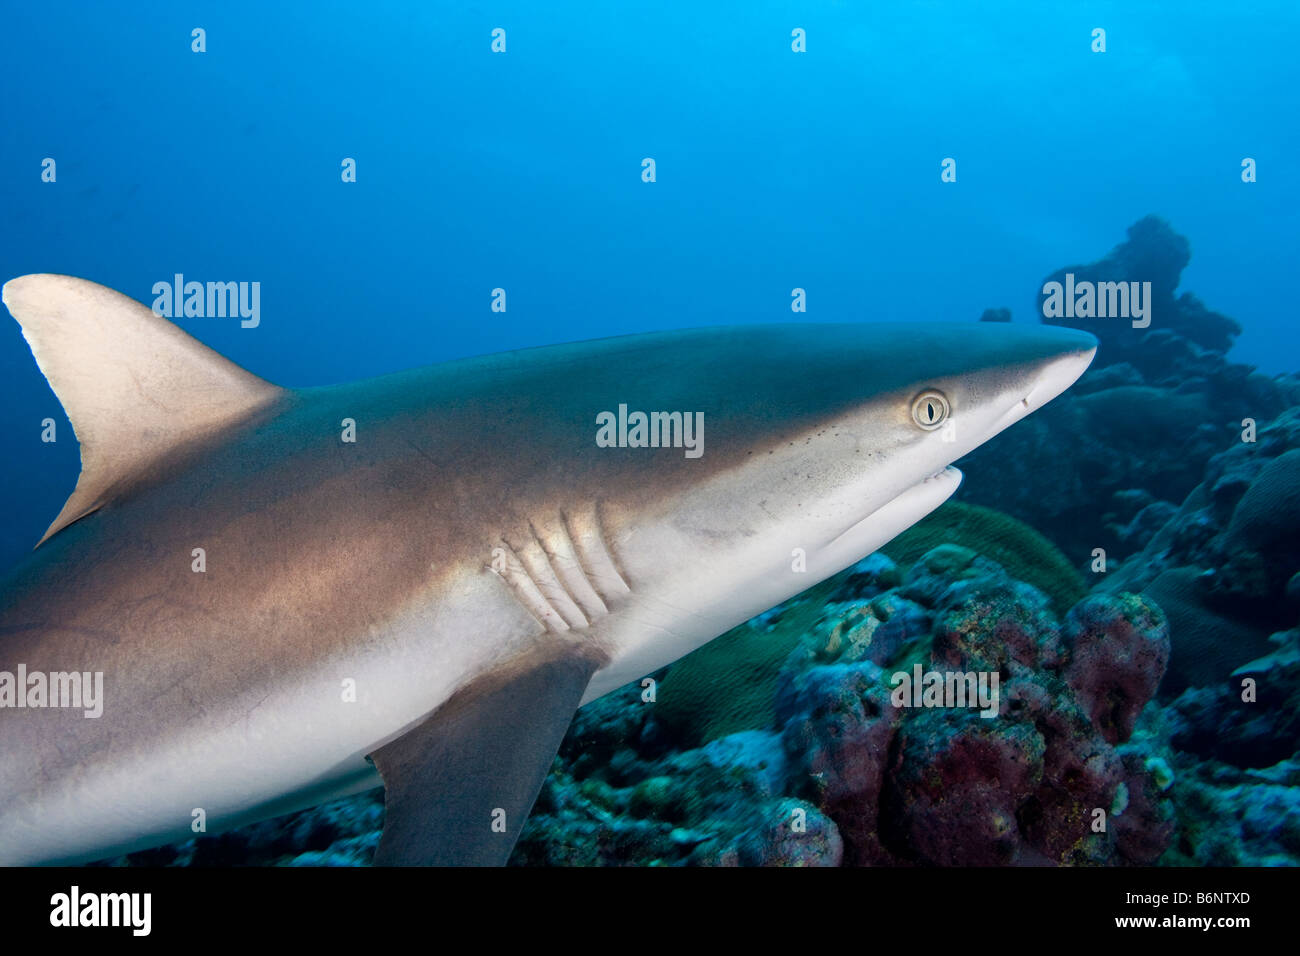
[(431, 601)]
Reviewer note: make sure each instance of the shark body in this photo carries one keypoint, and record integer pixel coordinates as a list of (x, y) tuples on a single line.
[(430, 602)]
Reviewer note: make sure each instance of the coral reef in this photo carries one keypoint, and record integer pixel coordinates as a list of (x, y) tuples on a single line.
[(1248, 730), (1119, 648), (1153, 253), (340, 833), (1222, 566), (1040, 782)]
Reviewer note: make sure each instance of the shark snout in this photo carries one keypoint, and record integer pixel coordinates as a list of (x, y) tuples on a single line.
[(1059, 373), (1050, 361)]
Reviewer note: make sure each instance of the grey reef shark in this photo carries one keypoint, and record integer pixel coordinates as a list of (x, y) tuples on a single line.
[(285, 596)]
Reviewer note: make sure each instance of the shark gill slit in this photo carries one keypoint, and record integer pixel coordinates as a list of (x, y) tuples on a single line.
[(588, 533), (537, 564), (583, 565), (527, 593), (562, 573), (564, 559)]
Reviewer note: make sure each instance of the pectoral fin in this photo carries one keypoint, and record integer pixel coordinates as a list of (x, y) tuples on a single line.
[(459, 786)]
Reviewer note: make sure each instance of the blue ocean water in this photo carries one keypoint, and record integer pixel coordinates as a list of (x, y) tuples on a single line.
[(522, 170)]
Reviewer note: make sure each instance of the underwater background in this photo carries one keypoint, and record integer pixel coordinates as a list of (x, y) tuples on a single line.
[(1166, 157)]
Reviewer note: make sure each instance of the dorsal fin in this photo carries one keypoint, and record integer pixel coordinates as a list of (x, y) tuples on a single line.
[(134, 386)]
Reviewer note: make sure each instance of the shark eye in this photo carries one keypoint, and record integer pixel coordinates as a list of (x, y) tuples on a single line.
[(930, 409)]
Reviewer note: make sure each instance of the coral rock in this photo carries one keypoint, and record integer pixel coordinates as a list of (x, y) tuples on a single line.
[(1119, 648)]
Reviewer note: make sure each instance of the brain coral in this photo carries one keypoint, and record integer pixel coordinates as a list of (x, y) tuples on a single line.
[(1207, 645), (1026, 554), (1266, 521)]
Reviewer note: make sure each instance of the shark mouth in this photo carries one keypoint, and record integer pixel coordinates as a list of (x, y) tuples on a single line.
[(890, 519)]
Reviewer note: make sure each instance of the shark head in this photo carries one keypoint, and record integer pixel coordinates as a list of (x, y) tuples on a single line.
[(813, 446)]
